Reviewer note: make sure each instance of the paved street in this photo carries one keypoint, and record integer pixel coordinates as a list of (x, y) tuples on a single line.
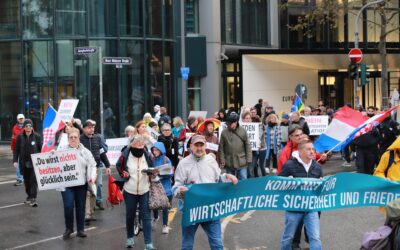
[(23, 227)]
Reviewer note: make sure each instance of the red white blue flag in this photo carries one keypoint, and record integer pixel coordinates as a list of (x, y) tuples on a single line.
[(52, 123)]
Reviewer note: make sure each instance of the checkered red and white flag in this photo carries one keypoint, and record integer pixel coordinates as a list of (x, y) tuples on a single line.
[(52, 123)]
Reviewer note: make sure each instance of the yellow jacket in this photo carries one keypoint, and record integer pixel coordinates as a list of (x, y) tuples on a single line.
[(394, 171)]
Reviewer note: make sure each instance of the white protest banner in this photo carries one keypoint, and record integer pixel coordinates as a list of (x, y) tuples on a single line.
[(153, 133), (317, 123), (67, 109), (253, 133), (63, 145), (198, 114), (212, 146), (188, 136), (114, 149), (57, 170)]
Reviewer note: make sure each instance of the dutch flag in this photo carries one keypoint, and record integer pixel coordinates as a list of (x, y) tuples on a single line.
[(52, 123)]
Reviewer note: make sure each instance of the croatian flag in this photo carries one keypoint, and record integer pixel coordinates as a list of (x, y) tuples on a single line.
[(52, 123), (344, 123)]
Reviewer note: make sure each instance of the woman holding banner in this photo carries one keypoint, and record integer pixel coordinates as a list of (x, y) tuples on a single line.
[(76, 196)]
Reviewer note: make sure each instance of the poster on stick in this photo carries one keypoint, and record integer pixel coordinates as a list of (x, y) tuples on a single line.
[(317, 123), (114, 149), (57, 170), (253, 133), (67, 109)]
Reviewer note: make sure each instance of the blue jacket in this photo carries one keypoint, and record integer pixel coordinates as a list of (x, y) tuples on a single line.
[(162, 160)]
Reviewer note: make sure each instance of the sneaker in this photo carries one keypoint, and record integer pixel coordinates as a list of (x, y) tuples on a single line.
[(129, 243), (154, 221), (267, 170), (18, 183), (99, 206), (149, 247), (33, 203), (28, 201), (346, 164), (165, 229), (274, 170)]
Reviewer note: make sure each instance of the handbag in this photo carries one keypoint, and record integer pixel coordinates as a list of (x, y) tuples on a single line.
[(158, 199)]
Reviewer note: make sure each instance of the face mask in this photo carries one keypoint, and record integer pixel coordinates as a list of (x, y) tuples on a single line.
[(137, 152), (370, 115), (271, 124)]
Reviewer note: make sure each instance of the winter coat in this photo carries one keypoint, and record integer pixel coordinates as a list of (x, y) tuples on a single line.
[(234, 148), (369, 140), (171, 145), (177, 131), (86, 162), (139, 182), (162, 160), (303, 125), (394, 170), (25, 146), (17, 129), (95, 145), (211, 138), (296, 169)]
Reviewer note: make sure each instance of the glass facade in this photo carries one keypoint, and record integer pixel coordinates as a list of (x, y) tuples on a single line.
[(244, 22), (38, 65), (339, 34)]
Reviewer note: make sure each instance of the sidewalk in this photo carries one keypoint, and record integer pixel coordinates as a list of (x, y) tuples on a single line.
[(5, 150)]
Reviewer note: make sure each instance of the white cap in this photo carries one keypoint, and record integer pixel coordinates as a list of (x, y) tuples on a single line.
[(20, 116)]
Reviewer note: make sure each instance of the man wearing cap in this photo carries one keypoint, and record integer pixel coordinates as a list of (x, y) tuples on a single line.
[(17, 129), (27, 143), (93, 142), (196, 168), (234, 148)]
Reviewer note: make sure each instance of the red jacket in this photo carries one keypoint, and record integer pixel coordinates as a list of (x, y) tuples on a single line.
[(15, 132)]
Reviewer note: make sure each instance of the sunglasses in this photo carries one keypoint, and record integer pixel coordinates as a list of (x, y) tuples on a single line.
[(28, 126)]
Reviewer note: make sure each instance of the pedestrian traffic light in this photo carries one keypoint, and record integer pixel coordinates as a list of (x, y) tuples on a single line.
[(353, 70), (365, 74)]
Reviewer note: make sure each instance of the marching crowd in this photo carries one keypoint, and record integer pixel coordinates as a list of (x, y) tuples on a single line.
[(198, 154)]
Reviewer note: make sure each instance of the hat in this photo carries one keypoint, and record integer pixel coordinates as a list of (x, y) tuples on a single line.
[(285, 116), (20, 116), (89, 122), (269, 107), (28, 121), (232, 117), (198, 138)]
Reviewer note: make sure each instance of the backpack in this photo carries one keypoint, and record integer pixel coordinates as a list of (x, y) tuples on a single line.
[(115, 196), (377, 240)]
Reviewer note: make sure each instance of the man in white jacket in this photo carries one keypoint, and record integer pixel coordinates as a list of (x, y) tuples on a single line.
[(197, 168)]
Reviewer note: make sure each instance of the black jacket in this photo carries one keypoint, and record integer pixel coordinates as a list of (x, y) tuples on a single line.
[(25, 146), (369, 140), (171, 145), (95, 146), (164, 118), (296, 169), (303, 124)]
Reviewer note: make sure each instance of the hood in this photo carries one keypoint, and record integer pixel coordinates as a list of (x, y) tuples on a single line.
[(160, 146), (296, 155), (395, 144)]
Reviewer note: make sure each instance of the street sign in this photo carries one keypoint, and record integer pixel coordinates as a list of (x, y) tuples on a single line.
[(185, 73), (84, 50), (117, 60), (355, 55)]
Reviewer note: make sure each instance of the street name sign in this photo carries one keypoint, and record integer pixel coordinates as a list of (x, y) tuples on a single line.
[(117, 60), (84, 50)]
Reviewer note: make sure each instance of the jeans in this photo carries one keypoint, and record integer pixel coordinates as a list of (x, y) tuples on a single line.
[(274, 158), (30, 183), (131, 203), (18, 174), (164, 213), (211, 228), (99, 197), (74, 197), (240, 173), (311, 222), (259, 162)]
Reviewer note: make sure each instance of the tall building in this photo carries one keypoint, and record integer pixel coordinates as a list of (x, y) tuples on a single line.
[(237, 51)]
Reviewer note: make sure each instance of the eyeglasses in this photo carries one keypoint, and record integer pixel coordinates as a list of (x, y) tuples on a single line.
[(165, 130), (28, 126), (73, 137), (297, 135)]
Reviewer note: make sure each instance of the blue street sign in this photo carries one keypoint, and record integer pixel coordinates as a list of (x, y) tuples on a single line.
[(185, 73)]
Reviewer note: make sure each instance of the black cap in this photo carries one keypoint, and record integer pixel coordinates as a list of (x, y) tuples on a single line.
[(89, 122), (28, 121), (232, 117)]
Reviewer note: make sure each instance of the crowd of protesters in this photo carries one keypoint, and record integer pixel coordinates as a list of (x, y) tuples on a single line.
[(200, 150)]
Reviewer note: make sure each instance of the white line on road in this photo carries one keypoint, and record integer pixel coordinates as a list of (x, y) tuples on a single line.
[(6, 182), (46, 240), (13, 205), (228, 219)]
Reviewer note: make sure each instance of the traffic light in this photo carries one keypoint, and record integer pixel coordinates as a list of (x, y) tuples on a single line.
[(353, 70), (365, 74)]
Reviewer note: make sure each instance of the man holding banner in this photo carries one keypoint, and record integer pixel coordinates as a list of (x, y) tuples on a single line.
[(302, 166), (198, 168)]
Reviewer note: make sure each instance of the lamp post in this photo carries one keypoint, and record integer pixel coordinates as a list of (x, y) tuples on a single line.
[(183, 60)]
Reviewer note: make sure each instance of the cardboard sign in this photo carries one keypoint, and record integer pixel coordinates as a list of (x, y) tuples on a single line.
[(114, 149), (57, 170), (317, 123), (67, 109), (153, 133), (198, 114), (212, 146), (165, 169), (63, 145), (253, 133)]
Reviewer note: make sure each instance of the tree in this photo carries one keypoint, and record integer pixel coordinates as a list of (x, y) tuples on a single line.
[(327, 13)]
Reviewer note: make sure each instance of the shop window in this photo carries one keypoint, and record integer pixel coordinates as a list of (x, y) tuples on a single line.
[(70, 17)]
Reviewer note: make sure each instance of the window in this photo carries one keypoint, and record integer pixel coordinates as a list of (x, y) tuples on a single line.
[(194, 93), (9, 19), (102, 18), (192, 16), (70, 17), (130, 15), (38, 19), (155, 71), (153, 17)]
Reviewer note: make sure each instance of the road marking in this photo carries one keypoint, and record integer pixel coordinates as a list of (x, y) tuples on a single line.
[(224, 223), (13, 205), (247, 215), (46, 240), (171, 216), (231, 218), (6, 182)]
